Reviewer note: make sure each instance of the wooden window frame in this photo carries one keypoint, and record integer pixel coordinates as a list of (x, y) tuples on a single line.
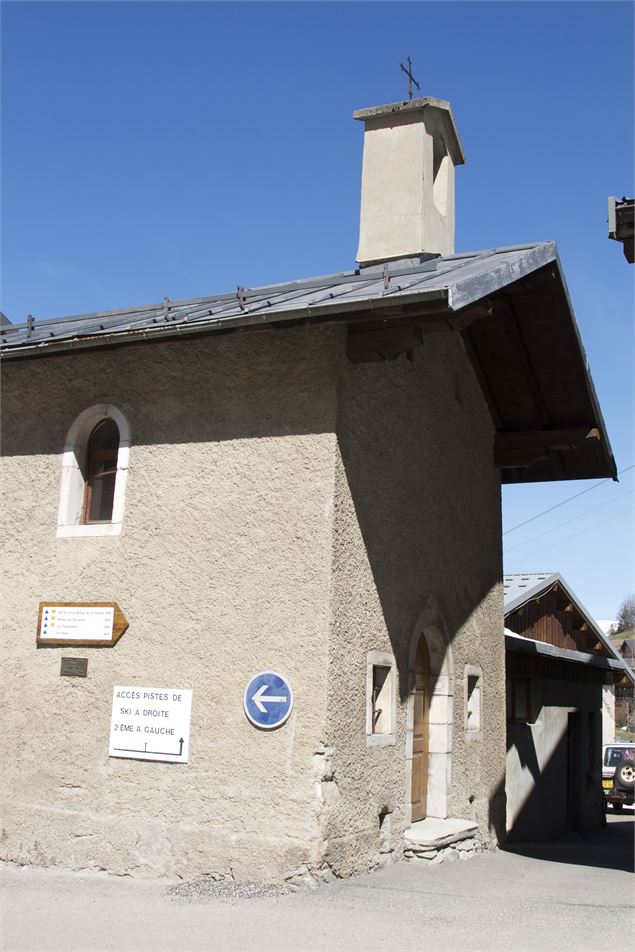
[(96, 456)]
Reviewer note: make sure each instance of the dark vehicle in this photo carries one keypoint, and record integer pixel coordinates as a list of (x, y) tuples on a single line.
[(618, 774)]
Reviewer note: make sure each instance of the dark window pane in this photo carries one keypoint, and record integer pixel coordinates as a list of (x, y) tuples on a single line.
[(102, 494), (101, 472), (100, 467), (104, 438), (520, 699)]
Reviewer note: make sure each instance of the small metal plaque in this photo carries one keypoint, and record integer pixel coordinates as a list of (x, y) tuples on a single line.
[(74, 667)]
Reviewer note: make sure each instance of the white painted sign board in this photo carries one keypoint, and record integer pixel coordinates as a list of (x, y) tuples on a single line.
[(151, 723), (76, 623)]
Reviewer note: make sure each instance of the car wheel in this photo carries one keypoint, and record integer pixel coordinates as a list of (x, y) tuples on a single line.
[(625, 775), (617, 807)]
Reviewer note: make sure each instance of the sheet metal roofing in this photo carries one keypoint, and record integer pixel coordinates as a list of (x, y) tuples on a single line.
[(520, 588), (514, 642), (455, 281), (510, 307)]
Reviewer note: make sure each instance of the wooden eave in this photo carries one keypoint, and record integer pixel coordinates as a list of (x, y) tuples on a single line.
[(527, 355)]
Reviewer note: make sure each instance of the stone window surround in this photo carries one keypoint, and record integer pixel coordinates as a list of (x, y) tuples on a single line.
[(383, 659), (440, 719), (69, 520)]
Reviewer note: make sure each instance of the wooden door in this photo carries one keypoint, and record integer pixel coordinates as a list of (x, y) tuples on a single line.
[(420, 732)]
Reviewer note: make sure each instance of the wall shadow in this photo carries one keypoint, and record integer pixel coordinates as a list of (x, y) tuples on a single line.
[(544, 813), (206, 390), (426, 501), (608, 848), (418, 483)]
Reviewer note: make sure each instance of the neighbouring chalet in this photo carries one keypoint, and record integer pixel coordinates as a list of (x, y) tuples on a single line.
[(624, 694), (303, 478), (561, 670)]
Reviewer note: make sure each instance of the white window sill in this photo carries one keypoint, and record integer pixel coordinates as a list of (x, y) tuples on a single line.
[(74, 532), (380, 740)]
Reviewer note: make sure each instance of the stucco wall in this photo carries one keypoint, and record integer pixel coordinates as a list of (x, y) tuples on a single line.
[(416, 543), (553, 768), (284, 509), (222, 569), (608, 713)]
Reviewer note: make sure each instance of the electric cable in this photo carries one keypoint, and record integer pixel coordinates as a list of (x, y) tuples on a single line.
[(582, 515), (575, 535), (558, 504)]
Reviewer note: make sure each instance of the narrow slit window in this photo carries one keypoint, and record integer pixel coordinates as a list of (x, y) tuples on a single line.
[(473, 702), (381, 700), (100, 473)]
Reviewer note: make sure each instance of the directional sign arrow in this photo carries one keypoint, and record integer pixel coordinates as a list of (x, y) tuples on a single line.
[(165, 753), (46, 620), (260, 698)]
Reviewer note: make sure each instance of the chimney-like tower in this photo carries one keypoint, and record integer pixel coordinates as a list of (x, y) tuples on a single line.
[(410, 150)]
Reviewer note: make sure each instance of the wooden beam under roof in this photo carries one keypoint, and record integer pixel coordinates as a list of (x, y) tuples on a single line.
[(383, 343), (402, 331), (525, 448)]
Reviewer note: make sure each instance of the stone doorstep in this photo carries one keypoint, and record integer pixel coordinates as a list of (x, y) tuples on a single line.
[(435, 834)]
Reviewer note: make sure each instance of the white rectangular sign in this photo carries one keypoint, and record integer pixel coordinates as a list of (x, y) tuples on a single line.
[(81, 623), (151, 723)]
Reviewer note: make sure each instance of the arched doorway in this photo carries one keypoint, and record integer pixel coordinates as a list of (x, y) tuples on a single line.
[(429, 730), (420, 732)]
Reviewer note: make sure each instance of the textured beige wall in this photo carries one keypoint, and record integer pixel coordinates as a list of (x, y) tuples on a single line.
[(284, 510), (222, 569), (547, 778), (403, 211), (417, 524)]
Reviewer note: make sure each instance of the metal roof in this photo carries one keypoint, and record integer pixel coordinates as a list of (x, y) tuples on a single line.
[(510, 307), (520, 588), (514, 642), (458, 280)]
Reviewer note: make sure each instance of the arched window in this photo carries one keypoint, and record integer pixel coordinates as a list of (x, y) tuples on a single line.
[(94, 473), (100, 473)]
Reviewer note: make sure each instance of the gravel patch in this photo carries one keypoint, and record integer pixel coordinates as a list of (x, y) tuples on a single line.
[(206, 887)]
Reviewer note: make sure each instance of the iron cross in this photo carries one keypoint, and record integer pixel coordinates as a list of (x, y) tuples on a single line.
[(411, 78)]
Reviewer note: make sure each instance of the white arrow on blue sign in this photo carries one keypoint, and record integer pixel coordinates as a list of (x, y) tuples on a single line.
[(268, 700)]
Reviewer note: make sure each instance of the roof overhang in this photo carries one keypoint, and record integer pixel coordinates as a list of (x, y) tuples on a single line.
[(510, 308), (541, 587), (534, 373), (519, 643)]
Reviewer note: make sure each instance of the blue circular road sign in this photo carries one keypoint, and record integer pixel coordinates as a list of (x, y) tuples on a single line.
[(268, 700)]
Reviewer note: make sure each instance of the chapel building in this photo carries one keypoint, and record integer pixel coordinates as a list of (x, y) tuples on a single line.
[(305, 479)]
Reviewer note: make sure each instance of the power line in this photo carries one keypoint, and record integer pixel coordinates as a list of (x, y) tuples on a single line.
[(558, 504), (598, 525), (568, 521)]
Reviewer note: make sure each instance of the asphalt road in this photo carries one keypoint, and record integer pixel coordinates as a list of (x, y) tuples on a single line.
[(576, 894)]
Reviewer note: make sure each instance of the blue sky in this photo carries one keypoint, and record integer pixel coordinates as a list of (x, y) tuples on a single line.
[(179, 149)]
